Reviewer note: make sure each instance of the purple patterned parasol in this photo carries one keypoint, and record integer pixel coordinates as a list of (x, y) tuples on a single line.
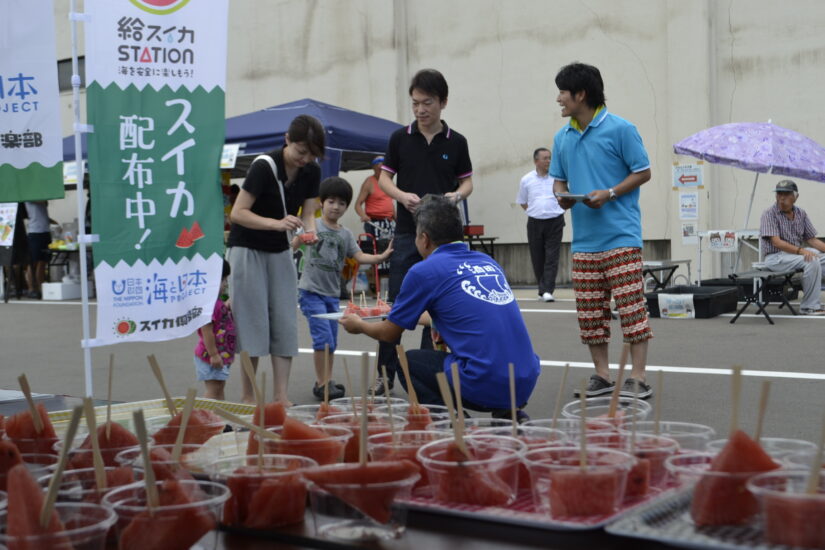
[(758, 147)]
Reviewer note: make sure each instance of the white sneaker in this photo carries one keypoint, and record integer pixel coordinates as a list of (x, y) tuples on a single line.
[(547, 297)]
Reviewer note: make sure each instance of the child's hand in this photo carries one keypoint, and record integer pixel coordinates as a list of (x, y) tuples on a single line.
[(216, 360), (388, 252)]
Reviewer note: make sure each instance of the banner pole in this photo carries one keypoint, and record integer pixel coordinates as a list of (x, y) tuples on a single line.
[(81, 208)]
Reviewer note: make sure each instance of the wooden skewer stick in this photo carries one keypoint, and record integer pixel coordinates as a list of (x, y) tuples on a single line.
[(27, 392), (389, 405), (512, 374), (405, 368), (657, 406), (249, 370), (188, 405), (560, 395), (97, 459), (459, 404), (633, 420), (362, 441), (614, 399), (152, 497), (763, 406), (350, 387), (57, 477), (226, 415), (261, 417), (583, 429), (447, 397), (736, 391), (326, 375), (816, 465), (170, 404), (109, 397)]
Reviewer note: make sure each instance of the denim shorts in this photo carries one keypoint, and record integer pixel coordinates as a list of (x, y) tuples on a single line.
[(206, 372), (323, 331)]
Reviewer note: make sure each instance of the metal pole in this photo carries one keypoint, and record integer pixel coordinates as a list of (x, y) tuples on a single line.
[(81, 207), (745, 227)]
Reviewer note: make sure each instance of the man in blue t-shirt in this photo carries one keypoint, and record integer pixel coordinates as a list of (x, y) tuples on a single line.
[(601, 156), (466, 297)]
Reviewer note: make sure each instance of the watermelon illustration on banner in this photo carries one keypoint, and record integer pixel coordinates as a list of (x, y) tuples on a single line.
[(156, 73), (31, 147)]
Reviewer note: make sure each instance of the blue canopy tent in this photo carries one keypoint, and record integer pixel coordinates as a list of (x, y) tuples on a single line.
[(353, 139)]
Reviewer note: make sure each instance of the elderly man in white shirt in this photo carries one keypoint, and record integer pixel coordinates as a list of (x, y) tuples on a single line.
[(545, 223)]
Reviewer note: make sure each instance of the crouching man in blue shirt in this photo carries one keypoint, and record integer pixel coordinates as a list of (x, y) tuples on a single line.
[(465, 296)]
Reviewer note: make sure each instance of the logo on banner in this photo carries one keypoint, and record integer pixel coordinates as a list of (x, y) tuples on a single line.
[(159, 7)]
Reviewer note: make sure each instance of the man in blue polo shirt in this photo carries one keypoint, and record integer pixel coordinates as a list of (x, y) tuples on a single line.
[(601, 155), (465, 296)]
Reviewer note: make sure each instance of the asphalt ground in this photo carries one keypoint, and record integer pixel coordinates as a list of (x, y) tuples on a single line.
[(42, 339)]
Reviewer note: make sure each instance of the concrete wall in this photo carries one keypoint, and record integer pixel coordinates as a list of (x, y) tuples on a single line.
[(672, 67)]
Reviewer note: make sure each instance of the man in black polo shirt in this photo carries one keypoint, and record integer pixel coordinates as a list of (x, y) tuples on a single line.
[(428, 157)]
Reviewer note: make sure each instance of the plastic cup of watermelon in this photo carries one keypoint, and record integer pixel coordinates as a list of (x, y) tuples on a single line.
[(308, 413), (598, 408), (533, 437), (651, 450), (87, 525), (689, 436), (801, 460), (405, 444), (420, 419), (346, 403), (776, 447), (376, 423), (176, 526), (266, 495), (572, 426), (790, 515), (83, 458), (193, 458), (471, 424), (489, 477), (326, 450), (81, 485), (563, 488), (360, 512)]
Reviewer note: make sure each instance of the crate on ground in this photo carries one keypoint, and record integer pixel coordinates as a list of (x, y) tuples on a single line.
[(708, 301)]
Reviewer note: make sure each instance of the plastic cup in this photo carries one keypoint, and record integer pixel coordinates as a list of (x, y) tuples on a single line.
[(376, 423), (351, 512), (168, 525), (309, 413), (37, 464), (327, 450), (346, 403), (42, 445), (81, 485), (801, 460), (471, 424), (719, 498), (572, 426), (651, 452), (776, 447), (88, 525), (83, 458), (563, 488), (417, 420), (533, 437), (689, 436), (598, 408), (266, 495), (405, 445), (790, 515), (488, 478), (193, 459)]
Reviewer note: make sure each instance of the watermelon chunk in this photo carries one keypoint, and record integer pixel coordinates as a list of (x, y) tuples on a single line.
[(469, 484), (119, 439), (304, 440), (202, 425), (165, 468), (592, 492), (794, 521), (25, 501), (307, 237), (175, 529), (724, 500), (325, 410), (371, 488), (418, 419), (196, 232), (184, 239), (264, 502), (9, 457), (353, 423), (638, 479), (274, 414), (20, 429)]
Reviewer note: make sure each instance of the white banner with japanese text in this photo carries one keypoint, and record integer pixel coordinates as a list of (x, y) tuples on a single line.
[(156, 74), (31, 146)]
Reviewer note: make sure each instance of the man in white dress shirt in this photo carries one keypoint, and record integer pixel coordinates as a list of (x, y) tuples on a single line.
[(545, 222)]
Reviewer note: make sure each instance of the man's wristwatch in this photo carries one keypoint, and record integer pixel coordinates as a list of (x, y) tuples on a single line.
[(613, 195)]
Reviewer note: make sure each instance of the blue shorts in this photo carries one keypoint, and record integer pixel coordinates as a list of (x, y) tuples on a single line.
[(323, 331), (206, 372)]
